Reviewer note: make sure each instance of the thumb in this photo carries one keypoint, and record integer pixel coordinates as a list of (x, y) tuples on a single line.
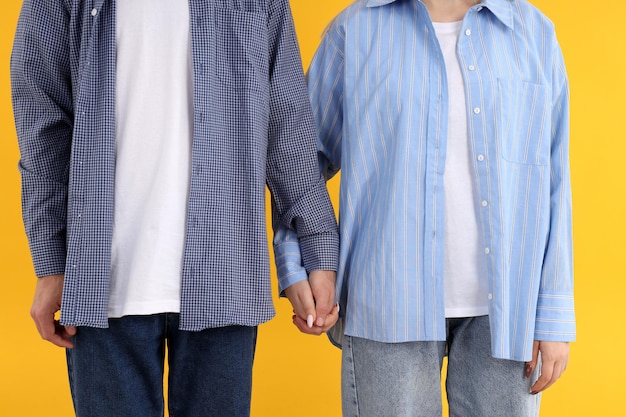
[(323, 289)]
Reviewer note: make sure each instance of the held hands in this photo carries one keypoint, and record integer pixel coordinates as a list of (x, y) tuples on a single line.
[(313, 302), (45, 305), (554, 357)]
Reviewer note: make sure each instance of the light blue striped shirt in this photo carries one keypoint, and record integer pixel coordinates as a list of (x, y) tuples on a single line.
[(379, 93)]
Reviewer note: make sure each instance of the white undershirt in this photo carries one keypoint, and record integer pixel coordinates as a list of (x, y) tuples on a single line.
[(465, 272), (153, 145)]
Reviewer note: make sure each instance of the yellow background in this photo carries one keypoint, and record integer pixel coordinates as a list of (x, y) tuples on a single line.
[(297, 375)]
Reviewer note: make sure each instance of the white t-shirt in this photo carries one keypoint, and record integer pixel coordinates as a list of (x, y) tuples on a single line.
[(465, 275), (154, 98)]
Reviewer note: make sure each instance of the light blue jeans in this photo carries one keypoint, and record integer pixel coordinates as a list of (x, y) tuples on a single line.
[(404, 379)]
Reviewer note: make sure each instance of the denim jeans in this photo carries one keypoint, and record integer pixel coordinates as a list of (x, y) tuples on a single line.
[(404, 379), (118, 372)]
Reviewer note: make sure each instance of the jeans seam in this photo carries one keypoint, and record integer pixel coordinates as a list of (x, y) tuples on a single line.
[(352, 375)]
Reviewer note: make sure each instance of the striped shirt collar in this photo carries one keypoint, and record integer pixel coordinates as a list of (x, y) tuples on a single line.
[(502, 9)]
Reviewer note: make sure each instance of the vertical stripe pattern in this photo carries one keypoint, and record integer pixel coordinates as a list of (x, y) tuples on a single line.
[(384, 123), (384, 126)]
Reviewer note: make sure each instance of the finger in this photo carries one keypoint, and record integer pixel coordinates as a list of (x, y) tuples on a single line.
[(71, 330), (331, 319), (301, 299), (56, 334), (530, 366), (555, 373), (545, 380), (45, 323), (67, 332), (303, 326), (46, 303), (62, 337), (51, 331)]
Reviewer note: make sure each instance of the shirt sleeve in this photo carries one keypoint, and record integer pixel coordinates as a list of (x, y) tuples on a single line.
[(300, 198), (555, 310), (43, 110), (325, 78)]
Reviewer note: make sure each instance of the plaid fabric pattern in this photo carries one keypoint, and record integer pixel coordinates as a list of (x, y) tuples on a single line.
[(253, 127)]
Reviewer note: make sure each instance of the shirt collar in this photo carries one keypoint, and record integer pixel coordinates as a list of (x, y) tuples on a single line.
[(502, 9)]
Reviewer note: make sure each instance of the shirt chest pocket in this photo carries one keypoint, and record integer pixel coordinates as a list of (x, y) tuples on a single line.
[(241, 53), (524, 122)]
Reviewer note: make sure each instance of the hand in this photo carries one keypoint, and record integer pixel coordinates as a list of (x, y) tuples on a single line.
[(323, 288), (312, 301), (45, 305), (316, 330), (554, 357)]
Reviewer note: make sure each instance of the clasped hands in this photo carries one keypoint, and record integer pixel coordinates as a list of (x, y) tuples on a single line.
[(313, 301)]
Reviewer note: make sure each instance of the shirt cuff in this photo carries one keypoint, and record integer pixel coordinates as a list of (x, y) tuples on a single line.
[(320, 252), (556, 320), (289, 265)]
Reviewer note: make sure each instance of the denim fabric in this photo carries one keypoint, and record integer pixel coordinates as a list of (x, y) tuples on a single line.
[(404, 379), (119, 371)]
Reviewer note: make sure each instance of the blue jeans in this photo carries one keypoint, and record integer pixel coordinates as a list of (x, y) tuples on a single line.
[(118, 372), (404, 379)]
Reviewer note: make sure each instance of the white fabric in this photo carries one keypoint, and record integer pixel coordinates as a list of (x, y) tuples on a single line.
[(154, 121), (465, 271)]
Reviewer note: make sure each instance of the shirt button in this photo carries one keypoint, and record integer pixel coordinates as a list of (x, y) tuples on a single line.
[(94, 12), (468, 32), (476, 110), (490, 296), (487, 251), (480, 158), (471, 68), (484, 203)]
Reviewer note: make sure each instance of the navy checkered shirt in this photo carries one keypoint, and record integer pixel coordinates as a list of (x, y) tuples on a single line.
[(252, 127)]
